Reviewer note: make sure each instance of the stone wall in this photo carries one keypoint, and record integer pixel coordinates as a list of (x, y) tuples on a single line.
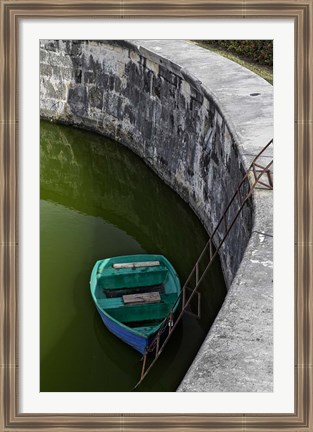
[(160, 111)]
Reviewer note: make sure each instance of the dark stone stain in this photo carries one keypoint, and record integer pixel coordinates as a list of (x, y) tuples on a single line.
[(77, 100), (142, 61), (118, 84), (162, 161), (211, 115), (91, 63), (147, 129), (76, 48), (172, 120), (88, 77), (95, 97), (130, 113), (234, 149), (146, 81), (205, 163), (111, 82), (170, 77), (67, 45), (156, 87), (164, 114), (205, 192), (78, 76), (215, 157), (190, 172), (77, 62), (223, 130), (52, 46)]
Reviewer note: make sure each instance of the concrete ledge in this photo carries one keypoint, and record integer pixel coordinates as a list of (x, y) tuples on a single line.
[(198, 120), (237, 354)]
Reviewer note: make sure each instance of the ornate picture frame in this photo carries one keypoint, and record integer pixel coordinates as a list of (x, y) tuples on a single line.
[(301, 12)]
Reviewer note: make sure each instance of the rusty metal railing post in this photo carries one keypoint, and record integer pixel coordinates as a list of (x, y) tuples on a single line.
[(184, 296), (171, 322), (143, 365), (199, 305), (211, 249), (197, 273), (157, 344)]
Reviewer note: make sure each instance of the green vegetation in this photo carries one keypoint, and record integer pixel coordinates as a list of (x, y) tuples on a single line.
[(255, 55)]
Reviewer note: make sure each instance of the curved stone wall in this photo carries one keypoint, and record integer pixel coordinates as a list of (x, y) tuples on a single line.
[(198, 120), (161, 112)]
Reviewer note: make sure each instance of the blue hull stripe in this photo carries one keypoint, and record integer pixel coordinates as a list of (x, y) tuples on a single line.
[(135, 341)]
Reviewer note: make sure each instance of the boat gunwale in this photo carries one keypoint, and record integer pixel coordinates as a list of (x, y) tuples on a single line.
[(93, 280)]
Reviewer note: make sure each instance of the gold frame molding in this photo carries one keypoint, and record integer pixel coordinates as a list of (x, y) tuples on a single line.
[(301, 12)]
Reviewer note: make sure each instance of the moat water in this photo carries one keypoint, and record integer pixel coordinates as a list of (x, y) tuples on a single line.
[(97, 200)]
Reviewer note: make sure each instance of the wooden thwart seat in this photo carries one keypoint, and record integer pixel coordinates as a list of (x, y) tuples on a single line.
[(149, 297), (136, 264)]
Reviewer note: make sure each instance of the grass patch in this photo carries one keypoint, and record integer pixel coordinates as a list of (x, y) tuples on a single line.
[(266, 72)]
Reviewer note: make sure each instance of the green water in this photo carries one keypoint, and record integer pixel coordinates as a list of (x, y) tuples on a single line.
[(98, 200)]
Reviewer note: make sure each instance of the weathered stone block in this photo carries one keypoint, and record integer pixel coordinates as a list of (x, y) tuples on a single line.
[(78, 76), (133, 72), (170, 77), (45, 70), (147, 77), (147, 129), (196, 95), (77, 100), (61, 60), (120, 110), (89, 77), (60, 91), (66, 74), (76, 48), (77, 62), (43, 56), (101, 79), (117, 84), (52, 45), (156, 86), (132, 93), (95, 97), (129, 112), (111, 82), (110, 103), (157, 111)]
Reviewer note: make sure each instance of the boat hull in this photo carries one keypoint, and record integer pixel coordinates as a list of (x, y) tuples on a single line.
[(110, 298), (139, 343)]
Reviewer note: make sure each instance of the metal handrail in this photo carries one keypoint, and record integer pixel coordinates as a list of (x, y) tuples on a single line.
[(170, 323)]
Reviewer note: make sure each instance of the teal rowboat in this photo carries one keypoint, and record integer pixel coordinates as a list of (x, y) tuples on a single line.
[(134, 295)]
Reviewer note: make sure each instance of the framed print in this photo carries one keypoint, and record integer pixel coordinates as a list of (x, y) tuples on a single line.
[(79, 57)]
